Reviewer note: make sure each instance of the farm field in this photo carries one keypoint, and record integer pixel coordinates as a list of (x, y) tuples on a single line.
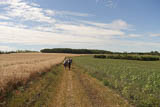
[(38, 79), (16, 69), (64, 88), (136, 81)]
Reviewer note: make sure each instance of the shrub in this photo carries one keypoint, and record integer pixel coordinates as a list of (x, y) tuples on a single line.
[(100, 56), (136, 57), (149, 58), (106, 82)]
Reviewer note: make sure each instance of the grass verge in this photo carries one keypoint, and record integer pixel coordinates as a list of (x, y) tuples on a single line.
[(98, 94), (37, 92)]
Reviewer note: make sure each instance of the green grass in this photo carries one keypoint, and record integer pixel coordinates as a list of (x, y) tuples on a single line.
[(137, 81), (38, 92)]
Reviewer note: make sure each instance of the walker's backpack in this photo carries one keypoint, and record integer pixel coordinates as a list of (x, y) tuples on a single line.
[(65, 62), (70, 61)]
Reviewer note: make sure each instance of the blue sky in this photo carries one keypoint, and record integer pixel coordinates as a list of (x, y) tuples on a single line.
[(115, 25)]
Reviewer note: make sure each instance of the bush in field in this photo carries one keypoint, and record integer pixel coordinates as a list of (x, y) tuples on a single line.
[(149, 58), (100, 56), (130, 57)]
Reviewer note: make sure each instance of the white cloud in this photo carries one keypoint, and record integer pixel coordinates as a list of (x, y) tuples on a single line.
[(119, 24), (4, 23), (44, 28), (50, 12), (31, 37), (112, 3), (35, 5), (25, 11), (28, 11), (130, 46), (65, 13), (72, 13), (88, 30), (109, 3), (155, 35), (7, 48), (11, 24), (116, 24), (134, 35), (52, 31), (4, 17)]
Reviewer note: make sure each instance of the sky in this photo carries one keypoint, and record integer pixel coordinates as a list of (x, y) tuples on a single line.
[(114, 25)]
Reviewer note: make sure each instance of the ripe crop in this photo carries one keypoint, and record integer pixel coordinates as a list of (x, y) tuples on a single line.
[(18, 68)]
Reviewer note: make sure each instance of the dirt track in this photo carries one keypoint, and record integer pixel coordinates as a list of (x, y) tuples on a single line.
[(70, 92), (64, 88), (77, 89)]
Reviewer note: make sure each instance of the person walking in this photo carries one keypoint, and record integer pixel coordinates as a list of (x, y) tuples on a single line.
[(65, 63), (69, 63)]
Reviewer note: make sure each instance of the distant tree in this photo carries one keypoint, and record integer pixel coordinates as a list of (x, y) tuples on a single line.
[(154, 53), (75, 51)]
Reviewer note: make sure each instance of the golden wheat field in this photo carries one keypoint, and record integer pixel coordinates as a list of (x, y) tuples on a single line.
[(20, 67)]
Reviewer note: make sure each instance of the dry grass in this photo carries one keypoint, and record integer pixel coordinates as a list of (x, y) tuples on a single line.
[(18, 68)]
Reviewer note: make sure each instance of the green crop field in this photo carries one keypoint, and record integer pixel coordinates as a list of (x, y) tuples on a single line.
[(136, 81)]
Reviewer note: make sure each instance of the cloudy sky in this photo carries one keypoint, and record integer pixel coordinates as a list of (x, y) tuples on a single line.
[(115, 25)]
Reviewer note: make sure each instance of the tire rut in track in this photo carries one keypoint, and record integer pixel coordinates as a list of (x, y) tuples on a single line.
[(78, 89), (70, 92), (99, 95)]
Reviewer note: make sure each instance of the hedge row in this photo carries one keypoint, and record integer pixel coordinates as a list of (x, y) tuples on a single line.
[(141, 58), (100, 56)]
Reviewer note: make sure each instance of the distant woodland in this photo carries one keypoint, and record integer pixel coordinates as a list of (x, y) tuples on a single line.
[(93, 51)]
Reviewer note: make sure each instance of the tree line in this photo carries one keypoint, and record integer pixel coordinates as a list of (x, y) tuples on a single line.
[(81, 51), (94, 51), (18, 51), (75, 51)]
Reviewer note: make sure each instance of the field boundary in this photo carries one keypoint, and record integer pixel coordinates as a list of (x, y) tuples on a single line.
[(99, 95), (22, 86)]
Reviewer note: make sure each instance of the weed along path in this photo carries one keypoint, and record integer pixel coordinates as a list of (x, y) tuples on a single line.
[(64, 88)]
